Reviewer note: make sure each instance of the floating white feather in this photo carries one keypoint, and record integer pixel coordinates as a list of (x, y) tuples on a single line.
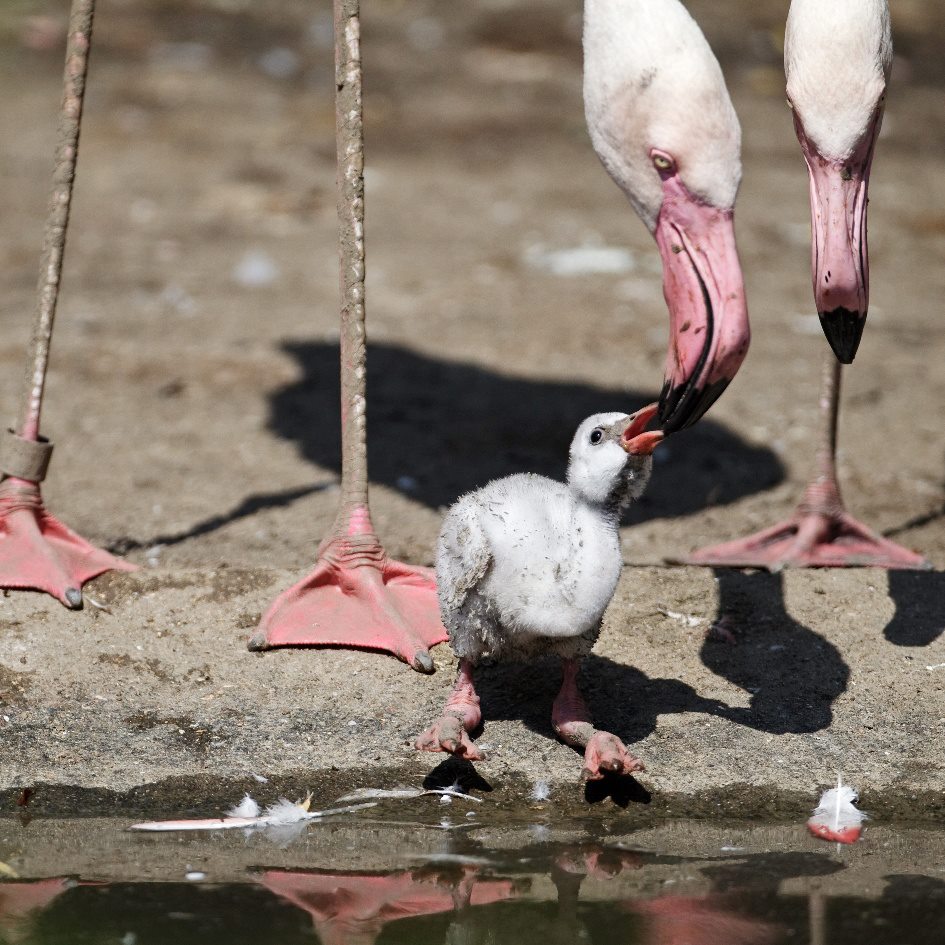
[(284, 812), (380, 794), (246, 808), (404, 793), (248, 814), (836, 818), (280, 814)]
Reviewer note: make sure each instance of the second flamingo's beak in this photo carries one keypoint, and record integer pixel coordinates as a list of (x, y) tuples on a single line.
[(636, 439), (840, 258), (705, 294)]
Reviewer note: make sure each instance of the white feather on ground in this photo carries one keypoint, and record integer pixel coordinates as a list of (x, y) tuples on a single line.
[(836, 817)]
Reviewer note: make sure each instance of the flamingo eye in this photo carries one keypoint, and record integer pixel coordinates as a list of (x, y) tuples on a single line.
[(662, 163), (596, 436)]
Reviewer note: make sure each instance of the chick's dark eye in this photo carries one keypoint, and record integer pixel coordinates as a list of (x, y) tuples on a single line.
[(597, 436)]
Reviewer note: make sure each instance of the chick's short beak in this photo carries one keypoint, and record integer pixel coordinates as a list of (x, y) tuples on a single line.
[(635, 439)]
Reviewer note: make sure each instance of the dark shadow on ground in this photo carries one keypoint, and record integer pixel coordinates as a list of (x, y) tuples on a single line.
[(917, 521), (622, 790), (455, 772), (249, 506), (622, 700), (793, 674), (919, 597), (439, 428)]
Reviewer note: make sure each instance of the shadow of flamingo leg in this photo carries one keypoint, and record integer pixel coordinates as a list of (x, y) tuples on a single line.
[(38, 552)]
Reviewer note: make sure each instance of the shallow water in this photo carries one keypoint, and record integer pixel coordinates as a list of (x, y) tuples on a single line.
[(452, 879)]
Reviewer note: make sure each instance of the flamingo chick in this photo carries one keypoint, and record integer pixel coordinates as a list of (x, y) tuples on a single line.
[(527, 566), (662, 123)]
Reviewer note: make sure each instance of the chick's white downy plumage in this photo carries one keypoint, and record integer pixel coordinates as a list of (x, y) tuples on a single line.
[(527, 563), (527, 566)]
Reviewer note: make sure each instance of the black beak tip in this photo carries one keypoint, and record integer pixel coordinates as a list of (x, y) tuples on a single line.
[(683, 405), (843, 329)]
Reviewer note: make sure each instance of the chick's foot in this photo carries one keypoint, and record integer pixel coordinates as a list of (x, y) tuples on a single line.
[(607, 754), (461, 715), (604, 753), (448, 733)]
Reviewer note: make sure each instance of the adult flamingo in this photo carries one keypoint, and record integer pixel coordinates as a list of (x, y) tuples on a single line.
[(836, 57), (36, 550), (662, 123)]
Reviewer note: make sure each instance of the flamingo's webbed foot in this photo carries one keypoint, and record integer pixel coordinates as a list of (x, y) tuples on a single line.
[(811, 539), (358, 597), (38, 552)]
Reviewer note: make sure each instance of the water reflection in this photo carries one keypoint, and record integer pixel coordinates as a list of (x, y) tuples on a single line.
[(19, 901), (353, 908), (550, 894)]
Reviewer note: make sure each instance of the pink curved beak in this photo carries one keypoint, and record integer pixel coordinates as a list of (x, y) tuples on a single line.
[(705, 294), (840, 257)]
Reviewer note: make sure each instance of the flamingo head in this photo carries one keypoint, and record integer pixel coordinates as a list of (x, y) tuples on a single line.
[(663, 125), (837, 57)]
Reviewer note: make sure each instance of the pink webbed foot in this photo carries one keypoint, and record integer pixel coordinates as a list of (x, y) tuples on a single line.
[(38, 552), (449, 734), (358, 597), (811, 539), (607, 754)]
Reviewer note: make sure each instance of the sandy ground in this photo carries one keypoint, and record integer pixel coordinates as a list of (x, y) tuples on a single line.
[(193, 404)]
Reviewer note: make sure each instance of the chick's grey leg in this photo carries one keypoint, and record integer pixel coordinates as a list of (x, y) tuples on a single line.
[(571, 718), (450, 732)]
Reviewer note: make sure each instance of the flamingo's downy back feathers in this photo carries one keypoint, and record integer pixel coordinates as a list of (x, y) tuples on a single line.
[(837, 57), (651, 82)]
